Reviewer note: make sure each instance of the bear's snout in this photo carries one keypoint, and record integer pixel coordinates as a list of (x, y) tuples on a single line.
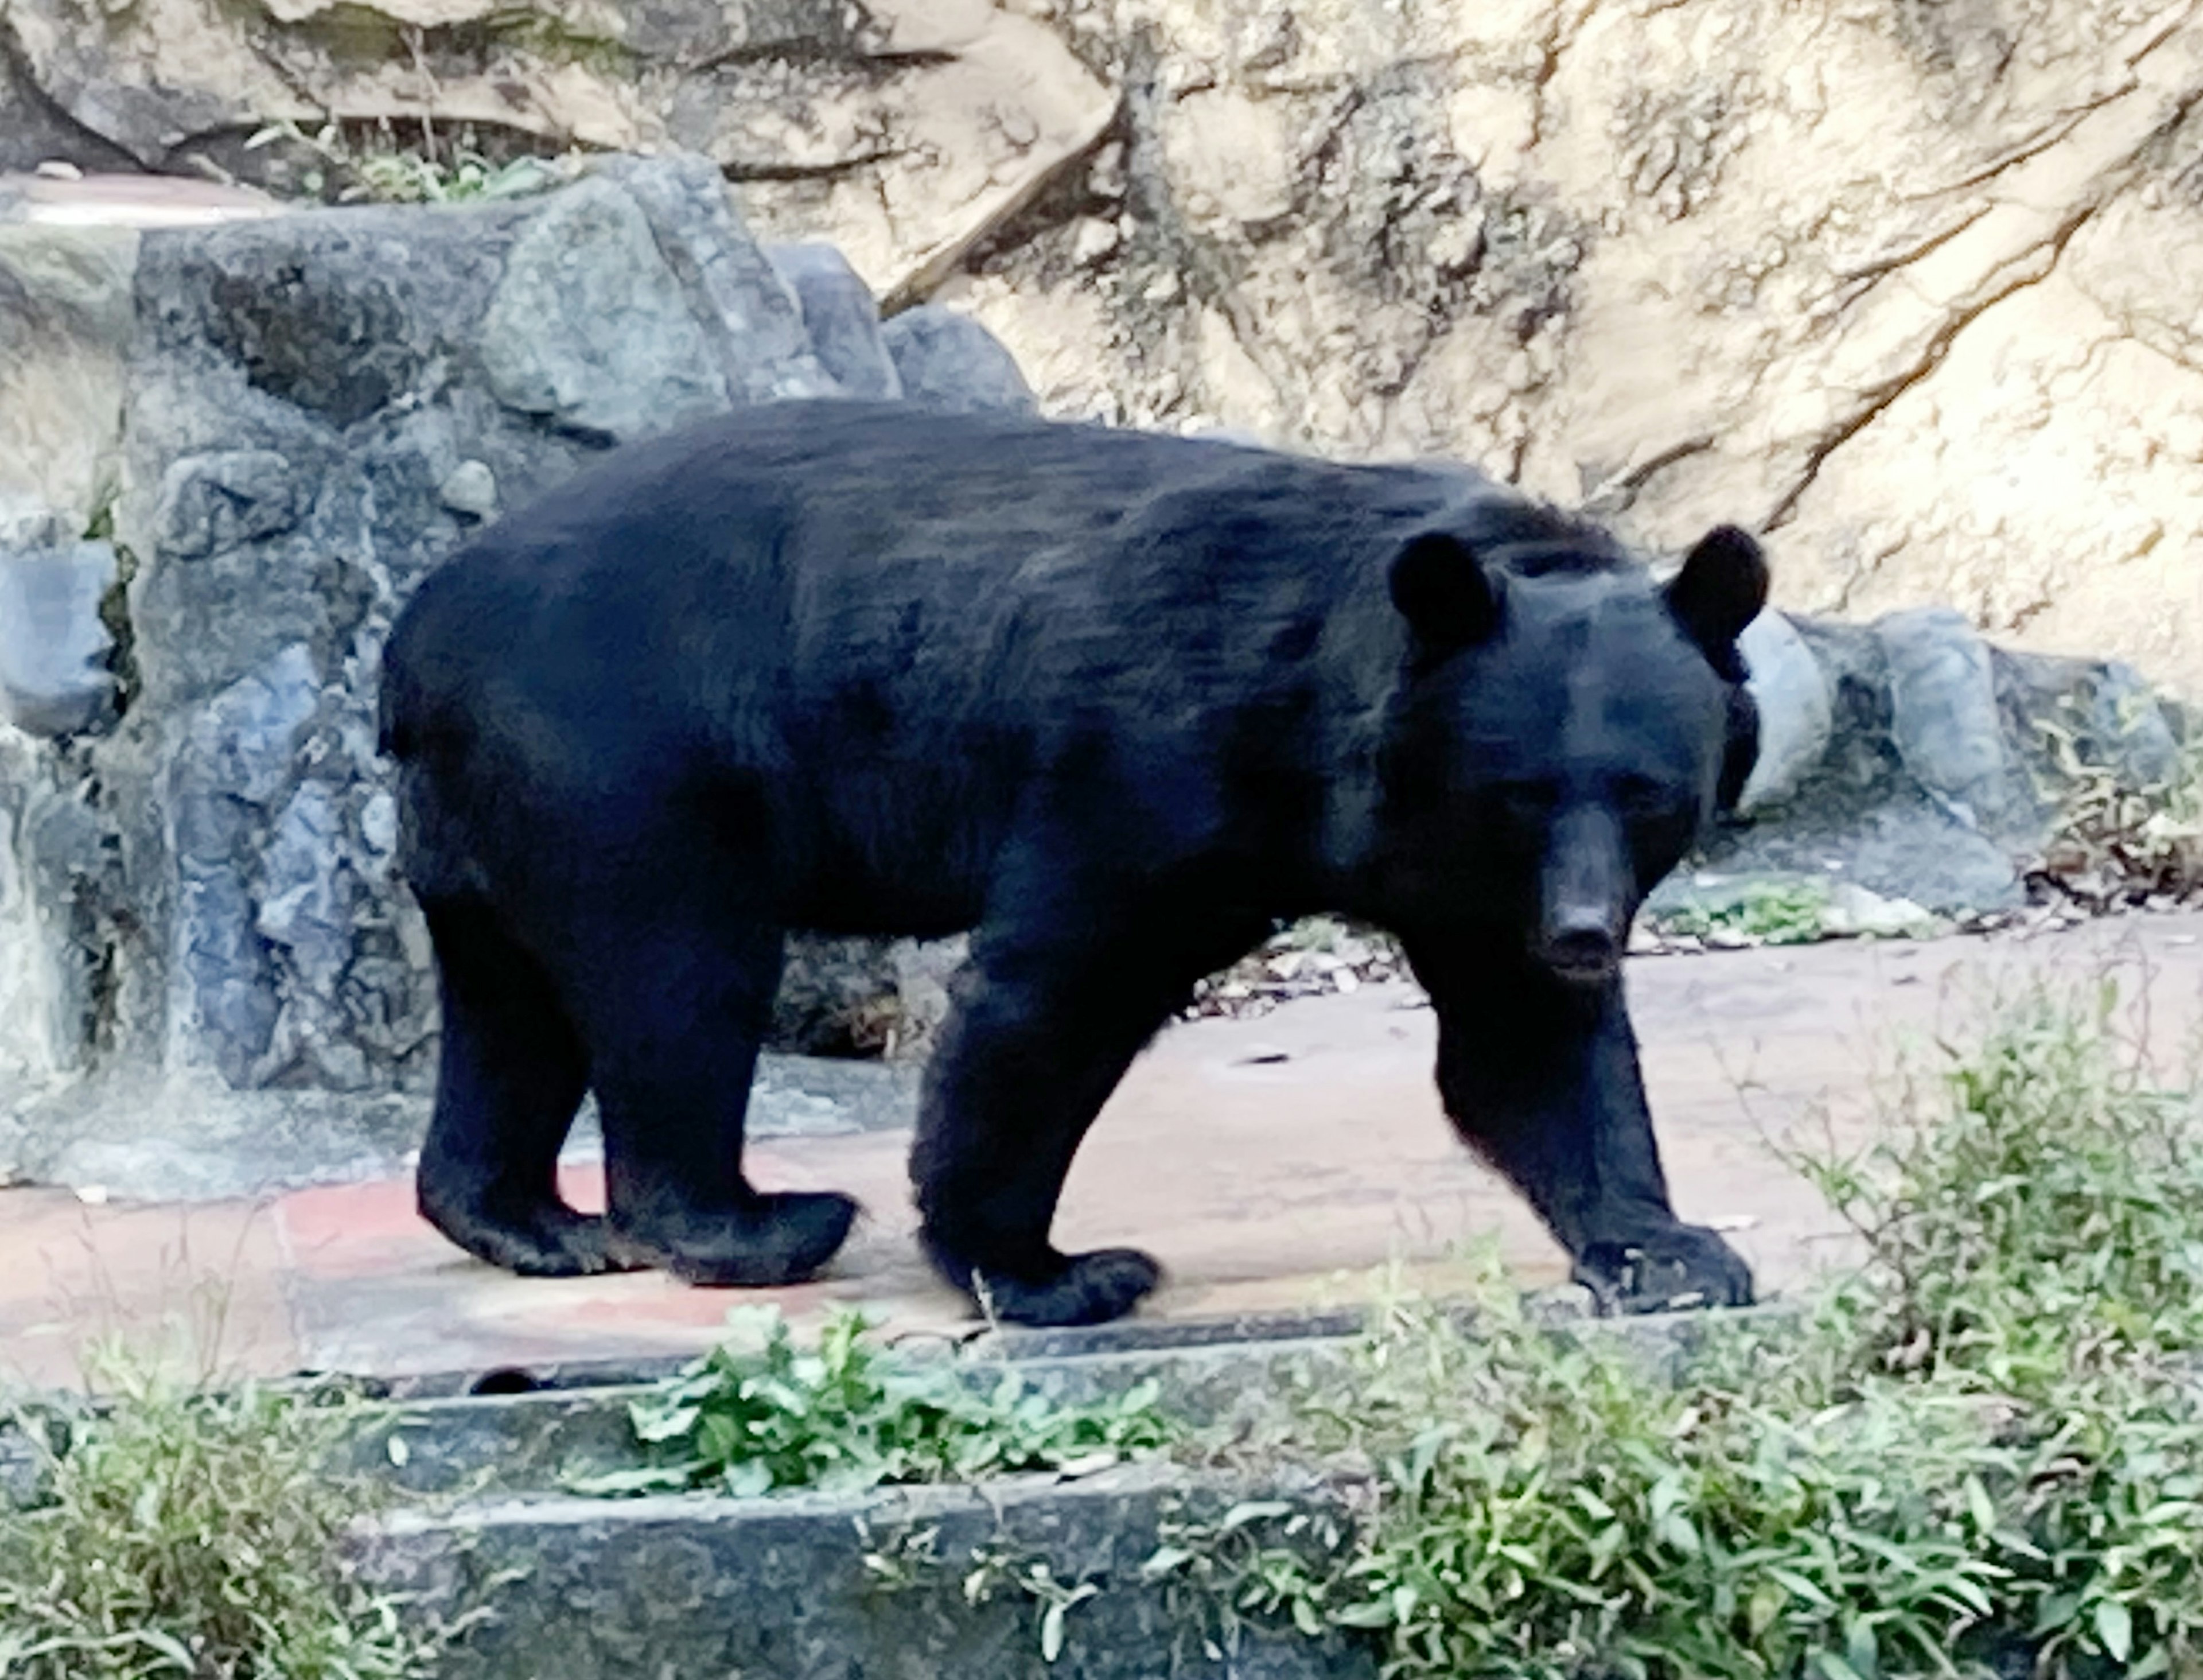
[(1584, 926)]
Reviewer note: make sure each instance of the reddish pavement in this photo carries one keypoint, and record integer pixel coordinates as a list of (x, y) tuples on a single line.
[(1263, 1182)]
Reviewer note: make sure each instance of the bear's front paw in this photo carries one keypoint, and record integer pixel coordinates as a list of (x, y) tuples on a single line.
[(779, 1239), (1684, 1266), (1089, 1289)]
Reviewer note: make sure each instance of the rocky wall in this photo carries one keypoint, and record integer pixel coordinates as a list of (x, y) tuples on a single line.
[(253, 440)]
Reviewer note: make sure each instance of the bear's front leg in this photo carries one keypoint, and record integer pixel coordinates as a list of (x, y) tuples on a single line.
[(1539, 1074), (1045, 1022)]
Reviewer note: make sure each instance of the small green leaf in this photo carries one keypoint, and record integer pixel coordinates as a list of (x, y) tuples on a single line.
[(1980, 1506), (167, 1647), (1252, 1511), (1051, 1631), (1165, 1560), (2114, 1629), (1768, 1599), (1370, 1613)]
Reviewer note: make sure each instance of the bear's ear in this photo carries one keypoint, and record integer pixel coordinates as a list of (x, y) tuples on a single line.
[(1444, 592), (1720, 590)]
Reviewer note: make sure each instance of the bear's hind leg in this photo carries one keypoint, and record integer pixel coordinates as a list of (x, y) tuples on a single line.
[(677, 1014), (1539, 1074), (510, 1075)]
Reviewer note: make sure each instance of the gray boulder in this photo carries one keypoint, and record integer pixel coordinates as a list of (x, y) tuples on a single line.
[(1943, 714), (842, 316), (633, 303), (54, 646), (1935, 779), (1796, 711), (947, 360), (319, 408)]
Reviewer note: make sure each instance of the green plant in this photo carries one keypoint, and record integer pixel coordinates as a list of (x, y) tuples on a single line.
[(760, 1413), (2034, 1213), (179, 1532), (1983, 1456), (1763, 913), (381, 171)]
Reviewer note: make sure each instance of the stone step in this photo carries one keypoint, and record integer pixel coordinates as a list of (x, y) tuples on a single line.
[(1025, 1574), (1028, 1577)]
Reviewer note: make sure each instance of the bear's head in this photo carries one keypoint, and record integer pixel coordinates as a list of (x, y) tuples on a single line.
[(1564, 729)]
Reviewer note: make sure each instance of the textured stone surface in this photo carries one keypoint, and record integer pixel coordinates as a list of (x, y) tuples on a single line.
[(947, 360), (54, 647), (1796, 716), (1943, 715), (842, 316), (197, 908), (66, 320), (906, 130), (621, 353), (756, 334), (1894, 283), (637, 1589)]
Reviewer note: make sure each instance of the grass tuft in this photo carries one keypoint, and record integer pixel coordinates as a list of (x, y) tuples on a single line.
[(173, 1531)]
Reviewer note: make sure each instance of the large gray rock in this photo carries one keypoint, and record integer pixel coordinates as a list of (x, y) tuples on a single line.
[(947, 360), (1943, 714), (589, 328), (199, 915), (1796, 713), (756, 332), (54, 646), (843, 317), (1935, 780)]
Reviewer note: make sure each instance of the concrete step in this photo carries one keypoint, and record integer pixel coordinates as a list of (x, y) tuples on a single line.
[(1053, 1573)]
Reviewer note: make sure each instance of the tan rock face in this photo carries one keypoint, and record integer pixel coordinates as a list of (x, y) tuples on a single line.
[(1912, 288), (1918, 290)]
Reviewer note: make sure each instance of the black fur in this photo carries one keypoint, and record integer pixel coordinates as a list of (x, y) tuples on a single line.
[(1112, 701)]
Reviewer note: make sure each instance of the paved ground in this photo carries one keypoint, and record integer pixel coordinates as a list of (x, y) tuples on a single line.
[(1279, 1162)]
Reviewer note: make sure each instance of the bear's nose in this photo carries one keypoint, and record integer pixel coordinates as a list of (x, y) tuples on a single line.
[(1583, 949)]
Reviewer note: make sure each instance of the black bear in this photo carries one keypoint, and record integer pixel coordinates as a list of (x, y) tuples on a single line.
[(1114, 701)]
